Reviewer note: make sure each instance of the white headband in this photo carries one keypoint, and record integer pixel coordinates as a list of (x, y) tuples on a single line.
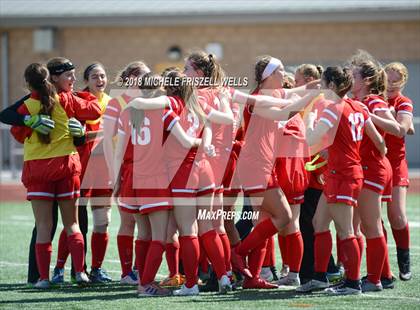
[(269, 69)]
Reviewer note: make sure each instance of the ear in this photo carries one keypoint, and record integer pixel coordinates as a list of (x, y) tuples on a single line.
[(54, 78)]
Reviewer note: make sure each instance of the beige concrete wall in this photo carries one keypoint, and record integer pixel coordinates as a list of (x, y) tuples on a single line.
[(293, 43)]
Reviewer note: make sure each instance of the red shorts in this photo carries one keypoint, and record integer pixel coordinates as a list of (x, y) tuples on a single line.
[(147, 197), (55, 178), (342, 190), (259, 184), (231, 183), (378, 178), (292, 178), (191, 179), (218, 165), (399, 171), (95, 180)]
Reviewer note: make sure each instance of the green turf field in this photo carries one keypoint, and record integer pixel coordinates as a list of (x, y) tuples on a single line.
[(16, 222)]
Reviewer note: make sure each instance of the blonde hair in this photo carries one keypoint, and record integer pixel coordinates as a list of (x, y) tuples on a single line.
[(401, 69), (310, 71)]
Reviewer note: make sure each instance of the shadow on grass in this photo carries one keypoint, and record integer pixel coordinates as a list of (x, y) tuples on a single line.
[(115, 291)]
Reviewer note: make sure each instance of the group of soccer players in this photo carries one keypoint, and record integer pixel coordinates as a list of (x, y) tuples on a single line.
[(305, 149)]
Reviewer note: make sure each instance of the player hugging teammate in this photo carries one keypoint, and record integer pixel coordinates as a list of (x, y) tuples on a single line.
[(168, 151)]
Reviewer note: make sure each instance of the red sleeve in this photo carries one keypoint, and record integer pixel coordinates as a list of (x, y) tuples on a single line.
[(124, 123), (20, 133), (207, 108), (171, 113), (111, 115), (84, 106), (404, 106), (377, 105), (330, 115)]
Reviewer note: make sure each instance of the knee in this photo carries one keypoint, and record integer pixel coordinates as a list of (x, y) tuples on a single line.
[(101, 219)]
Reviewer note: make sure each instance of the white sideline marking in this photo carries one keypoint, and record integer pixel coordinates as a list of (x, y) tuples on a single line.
[(390, 297)]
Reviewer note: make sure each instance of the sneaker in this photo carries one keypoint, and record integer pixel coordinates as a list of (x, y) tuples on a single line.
[(152, 290), (284, 271), (292, 279), (403, 257), (266, 274), (185, 291), (236, 280), (99, 275), (343, 290), (42, 284), (175, 281), (82, 279), (313, 285), (257, 283), (388, 283), (239, 263), (224, 285), (204, 276), (130, 279), (58, 276), (368, 286)]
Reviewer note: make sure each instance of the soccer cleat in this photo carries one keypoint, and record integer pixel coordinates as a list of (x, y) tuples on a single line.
[(185, 291), (368, 286), (130, 279), (211, 285), (58, 276), (239, 263), (388, 283), (313, 285), (82, 279), (266, 274), (42, 284), (175, 281), (292, 279), (343, 290), (99, 275), (403, 257), (335, 277), (152, 290), (284, 271), (224, 285), (257, 283), (275, 273)]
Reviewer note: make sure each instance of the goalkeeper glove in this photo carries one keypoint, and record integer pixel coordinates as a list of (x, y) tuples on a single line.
[(40, 123), (76, 128)]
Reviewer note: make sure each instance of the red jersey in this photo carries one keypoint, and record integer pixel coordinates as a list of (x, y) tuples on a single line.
[(396, 145), (146, 141), (368, 151), (343, 155)]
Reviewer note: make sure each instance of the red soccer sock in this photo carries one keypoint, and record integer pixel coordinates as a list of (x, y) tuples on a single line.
[(375, 256), (351, 258), (361, 244), (203, 261), (339, 251), (43, 258), (214, 249), (172, 258), (322, 250), (386, 269), (142, 246), (256, 259), (76, 246), (270, 255), (190, 252), (153, 261), (63, 250), (99, 243), (226, 250), (402, 238), (125, 252), (258, 235), (294, 244), (283, 249)]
